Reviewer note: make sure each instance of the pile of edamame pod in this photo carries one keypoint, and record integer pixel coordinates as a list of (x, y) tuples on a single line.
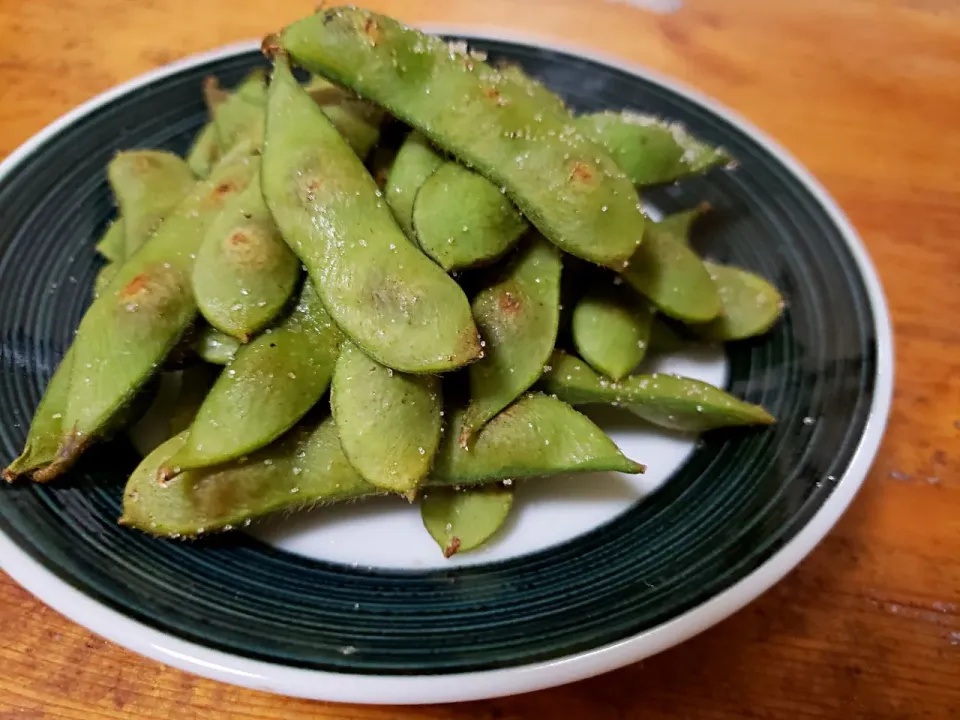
[(411, 268)]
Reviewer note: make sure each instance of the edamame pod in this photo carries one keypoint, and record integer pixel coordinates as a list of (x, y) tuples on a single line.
[(265, 390), (393, 302), (462, 520), (518, 317), (112, 245), (204, 152), (649, 149), (537, 435), (43, 439), (215, 347), (749, 304), (305, 467), (131, 328), (415, 162), (562, 181), (389, 421), (148, 185), (462, 220), (536, 89), (245, 273), (611, 330), (357, 121), (240, 117), (670, 401), (672, 277)]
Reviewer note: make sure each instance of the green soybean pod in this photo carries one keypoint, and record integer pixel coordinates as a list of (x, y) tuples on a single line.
[(214, 347), (649, 149), (670, 401), (389, 421), (669, 274), (148, 185), (240, 117), (112, 244), (611, 330), (462, 520), (305, 467), (563, 182), (518, 316), (536, 89), (749, 304), (391, 300), (415, 162), (43, 438), (204, 152), (358, 121), (129, 330), (536, 435), (463, 221), (245, 273), (269, 385)]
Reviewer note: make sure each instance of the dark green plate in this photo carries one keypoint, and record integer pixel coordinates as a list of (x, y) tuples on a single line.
[(588, 578)]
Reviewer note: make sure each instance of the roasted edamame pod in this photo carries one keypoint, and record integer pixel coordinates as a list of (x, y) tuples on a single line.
[(389, 421), (358, 121), (43, 438), (204, 152), (669, 274), (415, 162), (268, 386), (611, 330), (562, 181), (518, 316), (393, 302), (245, 273), (649, 149), (128, 331), (670, 401), (462, 520), (305, 467), (148, 185), (749, 304), (538, 435), (240, 117), (462, 220)]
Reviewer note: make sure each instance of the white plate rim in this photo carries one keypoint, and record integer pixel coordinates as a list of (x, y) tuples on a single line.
[(423, 689)]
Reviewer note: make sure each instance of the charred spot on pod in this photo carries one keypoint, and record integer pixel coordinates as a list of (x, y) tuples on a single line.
[(509, 304), (452, 547), (492, 93), (372, 30), (154, 289), (581, 172), (249, 247)]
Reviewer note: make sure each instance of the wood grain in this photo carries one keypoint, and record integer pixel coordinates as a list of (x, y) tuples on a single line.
[(864, 92)]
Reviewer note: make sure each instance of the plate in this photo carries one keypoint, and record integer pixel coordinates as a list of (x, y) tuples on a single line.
[(357, 605)]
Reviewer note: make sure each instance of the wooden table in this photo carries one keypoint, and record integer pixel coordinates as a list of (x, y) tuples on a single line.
[(867, 94)]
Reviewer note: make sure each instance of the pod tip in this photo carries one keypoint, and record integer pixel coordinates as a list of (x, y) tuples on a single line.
[(271, 46)]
